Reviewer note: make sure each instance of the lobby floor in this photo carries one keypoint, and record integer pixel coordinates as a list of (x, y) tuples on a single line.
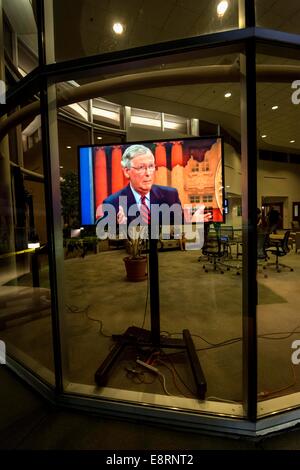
[(99, 302), (28, 422)]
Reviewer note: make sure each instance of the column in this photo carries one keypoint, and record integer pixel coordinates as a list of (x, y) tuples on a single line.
[(161, 175), (117, 175), (100, 170)]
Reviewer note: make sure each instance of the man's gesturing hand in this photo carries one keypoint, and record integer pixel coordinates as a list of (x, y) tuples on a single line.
[(201, 216), (121, 218)]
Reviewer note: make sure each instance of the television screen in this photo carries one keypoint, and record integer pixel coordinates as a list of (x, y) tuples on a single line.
[(188, 172)]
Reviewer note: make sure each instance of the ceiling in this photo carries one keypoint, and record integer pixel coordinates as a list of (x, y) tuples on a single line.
[(84, 27)]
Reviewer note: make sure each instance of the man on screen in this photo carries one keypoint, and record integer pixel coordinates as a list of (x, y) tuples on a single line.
[(141, 194), (142, 201)]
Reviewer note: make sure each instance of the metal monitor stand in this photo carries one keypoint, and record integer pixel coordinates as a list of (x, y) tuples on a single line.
[(141, 337)]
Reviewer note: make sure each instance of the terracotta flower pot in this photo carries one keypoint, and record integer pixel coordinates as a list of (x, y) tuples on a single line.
[(136, 268)]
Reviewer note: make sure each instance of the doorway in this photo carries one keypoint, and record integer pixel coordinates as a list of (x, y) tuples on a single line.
[(278, 206)]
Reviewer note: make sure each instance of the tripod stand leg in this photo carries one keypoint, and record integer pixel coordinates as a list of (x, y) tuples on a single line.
[(102, 372), (195, 365)]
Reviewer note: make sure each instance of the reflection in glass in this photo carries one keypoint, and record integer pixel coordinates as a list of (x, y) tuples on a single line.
[(278, 180), (20, 37), (98, 28), (279, 15), (101, 303), (25, 296)]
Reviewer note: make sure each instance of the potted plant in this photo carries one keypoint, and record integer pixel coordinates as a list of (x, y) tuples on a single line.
[(136, 263), (70, 202)]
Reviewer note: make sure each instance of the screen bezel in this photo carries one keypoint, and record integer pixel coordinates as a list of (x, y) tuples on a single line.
[(143, 142)]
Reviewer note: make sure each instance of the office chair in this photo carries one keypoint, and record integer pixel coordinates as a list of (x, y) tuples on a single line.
[(262, 255), (297, 241), (280, 248), (213, 248), (204, 257), (227, 237)]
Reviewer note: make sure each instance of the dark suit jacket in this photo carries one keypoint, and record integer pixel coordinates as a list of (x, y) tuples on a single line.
[(158, 195)]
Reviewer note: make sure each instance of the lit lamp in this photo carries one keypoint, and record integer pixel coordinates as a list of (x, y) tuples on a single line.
[(76, 232), (221, 8), (34, 261), (33, 245)]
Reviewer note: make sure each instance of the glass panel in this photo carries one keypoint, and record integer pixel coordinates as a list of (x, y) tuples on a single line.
[(280, 15), (278, 261), (199, 290), (116, 25), (25, 296), (20, 35)]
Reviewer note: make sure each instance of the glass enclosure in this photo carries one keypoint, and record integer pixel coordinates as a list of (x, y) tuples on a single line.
[(180, 334), (20, 38), (25, 292), (279, 15), (278, 262), (114, 26), (196, 286)]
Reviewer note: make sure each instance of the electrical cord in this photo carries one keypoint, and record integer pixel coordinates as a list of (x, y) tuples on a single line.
[(287, 334), (265, 394), (161, 376), (75, 309), (222, 343), (177, 373), (139, 375), (174, 379), (265, 336)]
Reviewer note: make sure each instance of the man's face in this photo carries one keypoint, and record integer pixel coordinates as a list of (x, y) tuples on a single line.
[(141, 180)]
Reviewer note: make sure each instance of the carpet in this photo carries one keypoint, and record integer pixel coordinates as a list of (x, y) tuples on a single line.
[(268, 296)]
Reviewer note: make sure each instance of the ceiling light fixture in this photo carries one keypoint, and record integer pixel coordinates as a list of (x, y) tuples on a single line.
[(99, 138), (69, 147), (292, 141), (118, 28), (227, 95), (275, 107), (264, 136), (222, 7)]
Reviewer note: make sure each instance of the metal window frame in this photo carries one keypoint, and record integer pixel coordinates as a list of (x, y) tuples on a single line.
[(247, 41)]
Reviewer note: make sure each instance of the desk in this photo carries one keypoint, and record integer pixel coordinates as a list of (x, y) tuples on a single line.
[(277, 238), (80, 246)]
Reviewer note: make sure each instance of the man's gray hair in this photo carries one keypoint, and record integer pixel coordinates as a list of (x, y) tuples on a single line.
[(134, 151)]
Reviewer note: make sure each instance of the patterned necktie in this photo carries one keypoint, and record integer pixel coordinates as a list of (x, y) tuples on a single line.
[(145, 211)]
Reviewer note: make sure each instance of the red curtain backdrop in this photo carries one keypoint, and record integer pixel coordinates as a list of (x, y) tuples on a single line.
[(117, 175), (176, 154), (160, 154), (100, 177)]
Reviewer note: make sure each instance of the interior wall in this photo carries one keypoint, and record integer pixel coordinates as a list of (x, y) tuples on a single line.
[(142, 133), (276, 181), (281, 181)]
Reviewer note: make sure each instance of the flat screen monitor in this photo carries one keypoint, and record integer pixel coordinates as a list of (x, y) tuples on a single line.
[(191, 167)]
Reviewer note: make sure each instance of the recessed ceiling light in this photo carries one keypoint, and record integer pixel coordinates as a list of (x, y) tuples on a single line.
[(69, 147), (292, 141), (118, 28), (99, 138), (264, 136), (275, 107), (227, 186), (61, 167), (222, 7), (228, 94)]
